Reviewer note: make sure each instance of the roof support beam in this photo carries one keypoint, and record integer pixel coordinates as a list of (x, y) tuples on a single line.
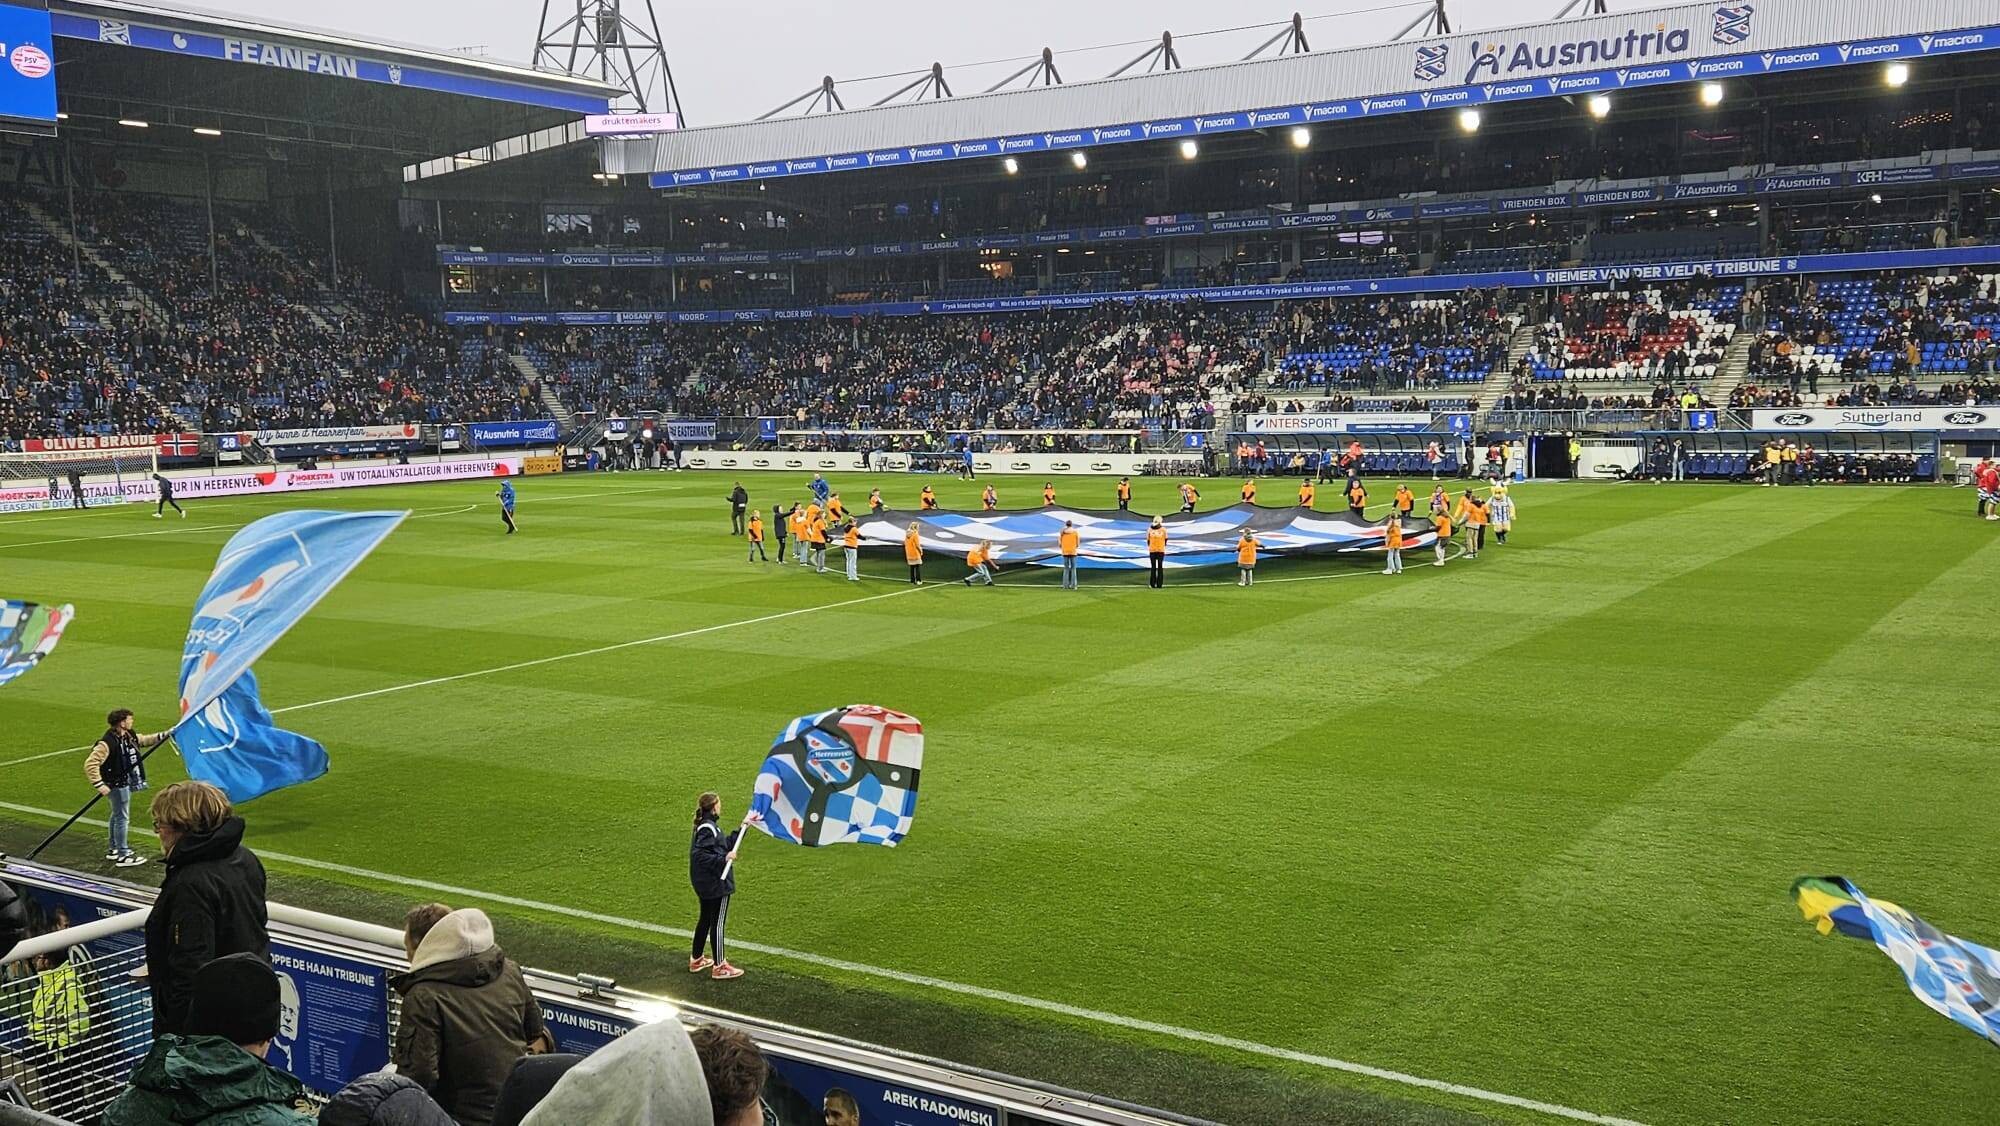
[(1159, 57), (1293, 38), (1041, 72)]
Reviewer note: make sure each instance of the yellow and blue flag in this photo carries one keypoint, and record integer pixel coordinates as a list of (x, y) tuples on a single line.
[(29, 632), (845, 776), (268, 576), (1957, 978)]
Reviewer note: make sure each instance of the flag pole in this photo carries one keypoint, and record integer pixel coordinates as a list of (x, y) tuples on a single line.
[(166, 737), (740, 830)]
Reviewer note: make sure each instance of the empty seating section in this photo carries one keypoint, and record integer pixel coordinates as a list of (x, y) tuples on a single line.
[(1615, 248)]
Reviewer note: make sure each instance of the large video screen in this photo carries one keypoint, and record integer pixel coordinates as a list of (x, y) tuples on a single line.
[(27, 68)]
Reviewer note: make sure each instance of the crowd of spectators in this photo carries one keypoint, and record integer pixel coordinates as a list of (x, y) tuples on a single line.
[(163, 337), (1869, 339), (1380, 344)]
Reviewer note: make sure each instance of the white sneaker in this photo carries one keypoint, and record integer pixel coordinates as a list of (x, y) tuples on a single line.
[(1390, 572), (184, 513), (156, 516), (130, 860)]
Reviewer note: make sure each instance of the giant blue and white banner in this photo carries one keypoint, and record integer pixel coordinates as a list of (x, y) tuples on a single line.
[(27, 68), (327, 58), (1770, 266), (1690, 43), (538, 432)]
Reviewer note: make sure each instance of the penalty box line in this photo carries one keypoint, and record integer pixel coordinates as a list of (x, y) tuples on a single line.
[(1002, 996)]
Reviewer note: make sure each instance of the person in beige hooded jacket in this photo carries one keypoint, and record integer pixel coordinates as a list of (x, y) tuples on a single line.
[(467, 1015)]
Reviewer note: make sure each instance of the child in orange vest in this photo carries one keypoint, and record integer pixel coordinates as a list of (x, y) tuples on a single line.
[(1246, 560)]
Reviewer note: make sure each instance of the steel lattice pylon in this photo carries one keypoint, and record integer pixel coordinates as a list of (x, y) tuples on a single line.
[(616, 43)]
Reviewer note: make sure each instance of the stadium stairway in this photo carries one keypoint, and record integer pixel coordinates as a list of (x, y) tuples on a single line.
[(565, 419), (1734, 366), (134, 296), (1501, 379)]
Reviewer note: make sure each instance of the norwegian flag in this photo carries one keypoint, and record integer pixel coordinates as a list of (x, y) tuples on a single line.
[(846, 776), (179, 445)]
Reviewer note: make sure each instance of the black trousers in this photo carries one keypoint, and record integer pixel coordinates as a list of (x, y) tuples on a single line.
[(916, 572), (506, 514), (736, 521), (1157, 576), (164, 502), (714, 913)]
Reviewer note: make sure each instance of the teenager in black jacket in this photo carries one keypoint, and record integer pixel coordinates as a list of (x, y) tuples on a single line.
[(710, 858), (211, 903)]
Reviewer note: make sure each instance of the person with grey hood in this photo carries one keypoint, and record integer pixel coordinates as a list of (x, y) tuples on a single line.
[(467, 1012), (648, 1077)]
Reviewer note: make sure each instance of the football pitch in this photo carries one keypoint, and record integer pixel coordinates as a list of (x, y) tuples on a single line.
[(1524, 824)]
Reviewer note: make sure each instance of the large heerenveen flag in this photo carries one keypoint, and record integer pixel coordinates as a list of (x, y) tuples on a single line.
[(1957, 978), (846, 776), (268, 576), (29, 632)]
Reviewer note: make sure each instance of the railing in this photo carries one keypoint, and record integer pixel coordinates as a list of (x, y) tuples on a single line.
[(75, 1022)]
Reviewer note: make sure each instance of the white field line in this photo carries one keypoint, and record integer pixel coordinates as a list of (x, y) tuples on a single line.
[(1002, 996), (116, 536), (665, 637)]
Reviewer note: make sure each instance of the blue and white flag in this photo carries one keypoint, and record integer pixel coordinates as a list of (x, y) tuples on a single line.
[(233, 744), (1956, 978), (846, 776), (268, 576)]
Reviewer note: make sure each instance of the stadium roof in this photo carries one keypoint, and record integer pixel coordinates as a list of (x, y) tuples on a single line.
[(200, 33), (1599, 54), (260, 83)]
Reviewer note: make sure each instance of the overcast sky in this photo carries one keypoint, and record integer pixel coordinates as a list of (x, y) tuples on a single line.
[(734, 61)]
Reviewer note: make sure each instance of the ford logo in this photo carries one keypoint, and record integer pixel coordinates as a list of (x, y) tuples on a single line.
[(761, 463), (795, 463), (1059, 466), (1966, 418), (1100, 467), (1794, 418), (827, 463), (729, 463), (1020, 467)]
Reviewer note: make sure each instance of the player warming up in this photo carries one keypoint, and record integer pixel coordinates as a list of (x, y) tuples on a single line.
[(167, 498)]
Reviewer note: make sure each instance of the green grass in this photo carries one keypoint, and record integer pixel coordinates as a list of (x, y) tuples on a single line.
[(1526, 823)]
